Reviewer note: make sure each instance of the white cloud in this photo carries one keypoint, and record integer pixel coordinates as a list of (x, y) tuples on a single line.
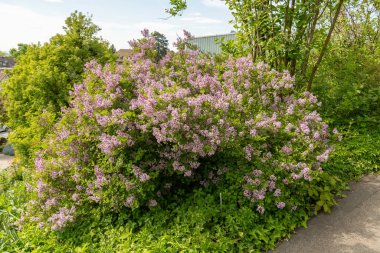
[(199, 19), (214, 3), (54, 1)]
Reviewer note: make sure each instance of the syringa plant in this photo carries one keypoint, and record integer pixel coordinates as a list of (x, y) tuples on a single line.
[(132, 134)]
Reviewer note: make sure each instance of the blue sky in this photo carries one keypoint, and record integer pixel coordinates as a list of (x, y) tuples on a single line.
[(31, 21)]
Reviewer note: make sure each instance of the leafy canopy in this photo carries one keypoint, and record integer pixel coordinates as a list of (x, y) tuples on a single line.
[(45, 74), (288, 34)]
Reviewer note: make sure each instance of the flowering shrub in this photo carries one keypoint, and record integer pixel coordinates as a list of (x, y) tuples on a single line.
[(133, 135)]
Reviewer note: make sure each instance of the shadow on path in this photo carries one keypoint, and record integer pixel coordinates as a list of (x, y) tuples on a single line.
[(353, 226)]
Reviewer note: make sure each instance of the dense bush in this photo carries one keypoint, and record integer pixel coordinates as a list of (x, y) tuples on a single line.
[(357, 155), (137, 137), (13, 197), (197, 223), (44, 75), (348, 87)]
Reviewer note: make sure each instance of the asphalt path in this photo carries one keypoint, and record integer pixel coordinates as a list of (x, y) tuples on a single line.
[(352, 227), (5, 161)]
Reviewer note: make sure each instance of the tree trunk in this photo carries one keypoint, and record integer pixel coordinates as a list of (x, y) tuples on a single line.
[(309, 40), (325, 44)]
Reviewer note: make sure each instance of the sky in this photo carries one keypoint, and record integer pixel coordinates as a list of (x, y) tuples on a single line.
[(32, 21)]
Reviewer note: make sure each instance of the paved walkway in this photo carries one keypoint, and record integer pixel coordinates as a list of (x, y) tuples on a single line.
[(352, 227), (5, 161)]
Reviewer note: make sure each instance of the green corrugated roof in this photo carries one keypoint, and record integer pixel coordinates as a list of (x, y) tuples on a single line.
[(208, 43)]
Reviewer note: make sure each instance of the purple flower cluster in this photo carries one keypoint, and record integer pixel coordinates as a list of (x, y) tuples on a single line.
[(172, 116), (61, 218), (108, 143), (100, 178), (39, 163), (143, 177)]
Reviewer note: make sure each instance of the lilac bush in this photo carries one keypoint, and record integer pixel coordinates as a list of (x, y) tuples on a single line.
[(130, 132)]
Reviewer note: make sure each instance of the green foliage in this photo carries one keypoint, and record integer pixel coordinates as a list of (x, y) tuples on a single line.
[(161, 45), (348, 87), (216, 217), (200, 223), (177, 6), (236, 200), (43, 77), (20, 50), (13, 197), (358, 154), (287, 35), (348, 82)]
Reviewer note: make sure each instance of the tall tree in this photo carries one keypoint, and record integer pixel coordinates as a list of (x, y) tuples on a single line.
[(16, 52), (40, 82), (287, 34), (161, 44)]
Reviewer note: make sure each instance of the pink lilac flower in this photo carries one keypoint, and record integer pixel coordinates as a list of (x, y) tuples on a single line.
[(29, 187), (277, 192), (324, 156), (61, 218), (253, 132), (142, 176), (55, 174), (100, 178), (258, 194), (272, 185), (75, 177), (41, 225), (94, 198), (301, 101), (304, 128), (289, 127), (260, 209), (41, 187), (290, 110), (277, 124), (39, 163), (50, 202), (75, 197), (128, 202), (247, 193), (317, 136), (296, 176), (280, 205), (108, 143), (257, 173), (286, 150), (248, 152), (194, 165), (63, 134), (313, 116), (102, 120)]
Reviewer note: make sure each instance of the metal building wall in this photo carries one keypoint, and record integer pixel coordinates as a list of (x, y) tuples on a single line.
[(208, 43)]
